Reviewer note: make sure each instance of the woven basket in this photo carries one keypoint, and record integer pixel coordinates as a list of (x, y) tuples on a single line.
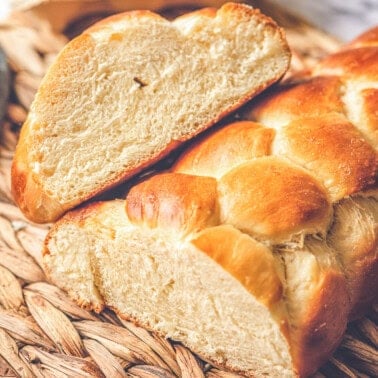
[(42, 332)]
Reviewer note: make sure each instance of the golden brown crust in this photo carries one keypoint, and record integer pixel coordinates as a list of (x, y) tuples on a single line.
[(174, 201), (333, 150), (355, 64), (219, 152), (265, 197), (272, 199), (308, 98)]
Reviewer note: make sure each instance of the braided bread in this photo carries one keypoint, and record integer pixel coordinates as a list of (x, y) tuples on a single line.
[(132, 88), (261, 242)]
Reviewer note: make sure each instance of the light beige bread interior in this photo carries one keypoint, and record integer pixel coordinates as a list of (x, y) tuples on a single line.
[(260, 243), (132, 88)]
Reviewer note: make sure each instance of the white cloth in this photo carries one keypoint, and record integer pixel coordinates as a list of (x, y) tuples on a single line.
[(4, 9), (344, 19)]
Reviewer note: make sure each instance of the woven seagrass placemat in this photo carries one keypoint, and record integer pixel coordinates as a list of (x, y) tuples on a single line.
[(42, 332)]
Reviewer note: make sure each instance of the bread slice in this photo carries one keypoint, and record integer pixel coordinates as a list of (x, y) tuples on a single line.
[(129, 90)]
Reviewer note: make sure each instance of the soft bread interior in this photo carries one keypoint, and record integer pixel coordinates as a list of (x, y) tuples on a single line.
[(74, 266), (124, 93), (170, 286)]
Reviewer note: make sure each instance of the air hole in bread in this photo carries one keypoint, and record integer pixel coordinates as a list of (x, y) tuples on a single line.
[(140, 82)]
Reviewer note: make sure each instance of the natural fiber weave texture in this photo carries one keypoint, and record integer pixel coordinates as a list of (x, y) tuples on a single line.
[(42, 332)]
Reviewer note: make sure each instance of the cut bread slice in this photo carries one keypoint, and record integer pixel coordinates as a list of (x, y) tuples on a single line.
[(129, 90), (233, 300)]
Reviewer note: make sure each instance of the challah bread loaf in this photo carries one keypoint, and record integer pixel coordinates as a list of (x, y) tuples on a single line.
[(260, 243), (132, 88)]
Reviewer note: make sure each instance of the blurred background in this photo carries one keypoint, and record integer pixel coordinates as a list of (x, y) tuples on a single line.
[(343, 19)]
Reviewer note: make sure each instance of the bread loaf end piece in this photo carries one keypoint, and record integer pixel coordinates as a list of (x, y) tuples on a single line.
[(132, 88)]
